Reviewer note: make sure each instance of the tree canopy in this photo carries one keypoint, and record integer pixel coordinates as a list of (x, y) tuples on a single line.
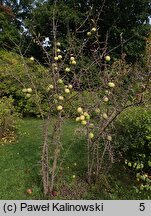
[(124, 25)]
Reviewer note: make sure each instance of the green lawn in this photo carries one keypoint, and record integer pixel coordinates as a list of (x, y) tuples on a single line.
[(19, 163), (20, 169)]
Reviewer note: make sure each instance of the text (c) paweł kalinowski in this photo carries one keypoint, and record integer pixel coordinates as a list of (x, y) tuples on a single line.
[(62, 207)]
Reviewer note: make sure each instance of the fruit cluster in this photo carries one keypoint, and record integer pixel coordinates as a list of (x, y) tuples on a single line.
[(84, 119), (63, 91), (93, 30), (27, 92)]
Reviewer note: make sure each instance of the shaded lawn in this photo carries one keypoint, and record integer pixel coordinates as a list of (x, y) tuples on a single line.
[(19, 166)]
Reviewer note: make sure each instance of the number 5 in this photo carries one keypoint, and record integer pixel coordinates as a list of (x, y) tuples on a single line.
[(142, 206)]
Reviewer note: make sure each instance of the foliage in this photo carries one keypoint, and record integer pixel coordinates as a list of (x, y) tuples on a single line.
[(8, 117), (123, 25), (9, 34), (127, 23), (133, 142), (14, 76)]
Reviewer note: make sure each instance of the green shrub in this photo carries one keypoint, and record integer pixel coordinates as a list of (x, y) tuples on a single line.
[(133, 134), (15, 75), (133, 142), (8, 117)]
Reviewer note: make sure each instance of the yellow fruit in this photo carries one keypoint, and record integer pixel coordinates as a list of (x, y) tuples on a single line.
[(91, 135), (70, 86), (28, 95), (59, 108), (83, 122), (82, 117), (56, 58), (79, 110), (72, 58), (87, 117), (61, 98), (105, 99), (93, 30), (58, 50), (67, 90), (73, 62), (24, 90), (58, 44), (77, 119), (109, 138), (85, 114), (50, 87), (107, 92), (89, 34), (107, 58), (59, 57), (105, 116), (60, 81), (111, 84), (73, 176), (67, 69), (32, 58), (29, 90)]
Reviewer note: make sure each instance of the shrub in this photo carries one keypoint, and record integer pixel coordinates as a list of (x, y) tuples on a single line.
[(133, 141), (14, 76), (133, 133), (8, 117)]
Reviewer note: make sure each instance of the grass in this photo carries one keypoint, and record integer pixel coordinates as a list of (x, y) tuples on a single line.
[(19, 163), (20, 169)]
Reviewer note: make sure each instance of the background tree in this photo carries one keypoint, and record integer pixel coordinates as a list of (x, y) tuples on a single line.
[(9, 33), (13, 14), (123, 24)]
